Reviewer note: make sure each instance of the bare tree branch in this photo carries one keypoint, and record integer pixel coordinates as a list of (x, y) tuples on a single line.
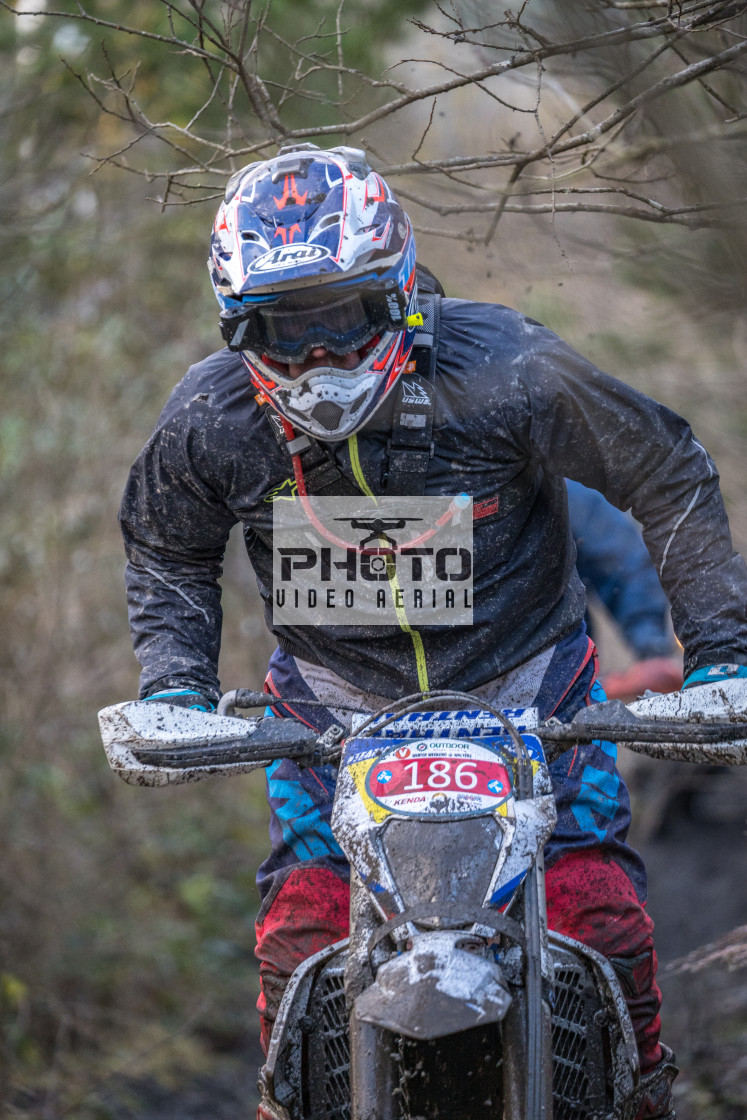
[(96, 21), (593, 101)]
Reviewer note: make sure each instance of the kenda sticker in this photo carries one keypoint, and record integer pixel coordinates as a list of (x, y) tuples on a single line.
[(443, 777), (392, 561)]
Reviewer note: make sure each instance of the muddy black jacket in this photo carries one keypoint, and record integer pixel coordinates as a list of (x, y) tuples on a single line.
[(517, 410)]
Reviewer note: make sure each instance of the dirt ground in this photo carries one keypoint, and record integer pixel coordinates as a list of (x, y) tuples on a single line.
[(695, 857)]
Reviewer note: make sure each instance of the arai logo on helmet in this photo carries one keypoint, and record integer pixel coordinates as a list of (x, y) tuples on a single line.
[(289, 256)]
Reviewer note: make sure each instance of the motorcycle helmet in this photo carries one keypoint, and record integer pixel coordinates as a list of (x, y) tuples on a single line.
[(311, 249)]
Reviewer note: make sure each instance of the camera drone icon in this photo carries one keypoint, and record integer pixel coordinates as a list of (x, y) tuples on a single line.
[(378, 530)]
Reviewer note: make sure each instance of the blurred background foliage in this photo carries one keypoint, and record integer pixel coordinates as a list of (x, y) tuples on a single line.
[(126, 924), (126, 919)]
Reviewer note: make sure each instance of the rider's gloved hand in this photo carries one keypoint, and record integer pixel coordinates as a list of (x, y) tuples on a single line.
[(711, 674), (184, 698)]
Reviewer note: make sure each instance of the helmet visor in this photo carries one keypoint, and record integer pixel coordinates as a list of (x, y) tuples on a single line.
[(340, 319)]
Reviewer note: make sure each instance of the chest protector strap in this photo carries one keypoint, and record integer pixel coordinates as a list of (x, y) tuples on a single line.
[(321, 473), (410, 447)]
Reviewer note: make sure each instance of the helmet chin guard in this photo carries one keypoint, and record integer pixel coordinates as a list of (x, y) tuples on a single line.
[(330, 407), (331, 403), (311, 249)]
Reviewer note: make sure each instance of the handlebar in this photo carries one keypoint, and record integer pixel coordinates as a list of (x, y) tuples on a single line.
[(681, 740), (158, 744)]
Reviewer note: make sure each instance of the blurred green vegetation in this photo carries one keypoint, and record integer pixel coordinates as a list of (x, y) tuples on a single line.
[(126, 928), (126, 925)]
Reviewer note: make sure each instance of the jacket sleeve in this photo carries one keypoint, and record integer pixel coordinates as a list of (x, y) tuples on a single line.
[(585, 425), (175, 528), (613, 562)]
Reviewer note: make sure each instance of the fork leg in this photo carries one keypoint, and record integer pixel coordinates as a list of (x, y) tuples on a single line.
[(371, 1072)]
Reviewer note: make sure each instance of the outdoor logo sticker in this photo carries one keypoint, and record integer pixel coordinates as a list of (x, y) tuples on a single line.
[(358, 561)]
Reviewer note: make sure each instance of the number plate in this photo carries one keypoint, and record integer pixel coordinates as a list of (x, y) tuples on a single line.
[(440, 776)]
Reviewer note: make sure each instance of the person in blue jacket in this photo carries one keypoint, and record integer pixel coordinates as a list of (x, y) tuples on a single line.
[(615, 567)]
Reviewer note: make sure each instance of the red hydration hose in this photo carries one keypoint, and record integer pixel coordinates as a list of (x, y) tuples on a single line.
[(324, 532)]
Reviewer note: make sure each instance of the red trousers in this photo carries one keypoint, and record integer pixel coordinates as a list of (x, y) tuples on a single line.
[(589, 898)]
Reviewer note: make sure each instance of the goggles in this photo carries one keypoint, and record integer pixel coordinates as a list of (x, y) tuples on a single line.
[(286, 328)]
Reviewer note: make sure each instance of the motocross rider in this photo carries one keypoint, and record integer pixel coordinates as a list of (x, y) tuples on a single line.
[(313, 263)]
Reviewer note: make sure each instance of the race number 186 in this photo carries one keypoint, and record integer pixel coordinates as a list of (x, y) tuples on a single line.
[(440, 773)]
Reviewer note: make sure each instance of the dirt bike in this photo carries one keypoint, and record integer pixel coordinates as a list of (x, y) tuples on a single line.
[(450, 998)]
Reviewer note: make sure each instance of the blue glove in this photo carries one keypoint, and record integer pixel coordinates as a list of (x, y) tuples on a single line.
[(711, 674), (184, 698)]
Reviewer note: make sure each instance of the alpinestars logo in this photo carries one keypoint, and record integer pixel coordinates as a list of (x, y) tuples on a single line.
[(283, 492), (413, 392)]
